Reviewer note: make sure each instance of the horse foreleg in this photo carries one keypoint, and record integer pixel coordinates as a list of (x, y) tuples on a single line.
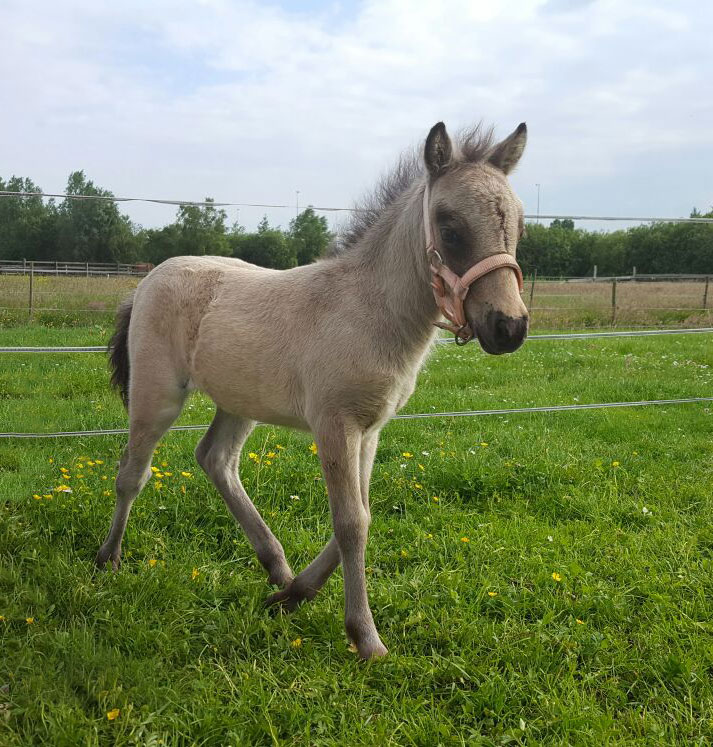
[(339, 449), (309, 581)]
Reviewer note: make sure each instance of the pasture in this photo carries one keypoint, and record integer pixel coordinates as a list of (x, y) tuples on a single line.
[(556, 303), (541, 578)]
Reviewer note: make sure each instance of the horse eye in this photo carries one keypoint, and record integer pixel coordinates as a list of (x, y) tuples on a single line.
[(449, 236)]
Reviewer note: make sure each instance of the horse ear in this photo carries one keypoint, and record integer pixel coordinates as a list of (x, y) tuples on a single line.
[(505, 155), (439, 150)]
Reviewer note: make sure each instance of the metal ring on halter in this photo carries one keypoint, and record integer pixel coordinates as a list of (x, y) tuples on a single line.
[(462, 339), (434, 253)]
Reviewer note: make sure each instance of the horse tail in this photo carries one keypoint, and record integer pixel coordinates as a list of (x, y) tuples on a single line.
[(118, 350)]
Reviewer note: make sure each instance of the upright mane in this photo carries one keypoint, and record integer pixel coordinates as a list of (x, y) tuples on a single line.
[(473, 145)]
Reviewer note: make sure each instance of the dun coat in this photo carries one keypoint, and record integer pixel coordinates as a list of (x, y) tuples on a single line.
[(333, 348)]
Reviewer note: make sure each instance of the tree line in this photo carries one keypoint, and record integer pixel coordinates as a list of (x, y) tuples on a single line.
[(96, 231)]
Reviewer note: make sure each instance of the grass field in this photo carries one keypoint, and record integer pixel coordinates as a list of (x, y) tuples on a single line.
[(86, 300), (538, 579)]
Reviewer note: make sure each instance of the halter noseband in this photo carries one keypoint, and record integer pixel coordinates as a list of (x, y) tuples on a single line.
[(450, 289)]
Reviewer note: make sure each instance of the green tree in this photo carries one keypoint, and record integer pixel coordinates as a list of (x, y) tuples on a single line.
[(28, 227), (309, 235), (93, 230), (267, 247), (202, 230)]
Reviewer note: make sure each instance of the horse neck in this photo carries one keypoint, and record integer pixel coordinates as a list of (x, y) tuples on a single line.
[(392, 263)]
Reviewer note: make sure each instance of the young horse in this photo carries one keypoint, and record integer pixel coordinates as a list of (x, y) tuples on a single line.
[(333, 347)]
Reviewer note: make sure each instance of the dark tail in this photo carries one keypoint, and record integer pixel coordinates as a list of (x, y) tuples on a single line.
[(119, 350)]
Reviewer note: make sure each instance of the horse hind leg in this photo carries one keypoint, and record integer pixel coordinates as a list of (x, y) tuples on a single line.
[(218, 453), (155, 401)]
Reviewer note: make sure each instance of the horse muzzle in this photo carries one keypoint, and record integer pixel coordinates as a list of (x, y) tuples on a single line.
[(502, 333)]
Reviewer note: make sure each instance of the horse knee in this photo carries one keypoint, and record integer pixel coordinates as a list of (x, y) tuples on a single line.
[(351, 529)]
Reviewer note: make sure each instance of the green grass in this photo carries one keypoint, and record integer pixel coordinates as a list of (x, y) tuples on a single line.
[(197, 660)]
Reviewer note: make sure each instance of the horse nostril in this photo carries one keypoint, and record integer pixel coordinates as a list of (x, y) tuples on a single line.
[(509, 329)]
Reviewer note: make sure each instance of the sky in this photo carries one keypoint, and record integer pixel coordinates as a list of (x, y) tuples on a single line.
[(252, 101)]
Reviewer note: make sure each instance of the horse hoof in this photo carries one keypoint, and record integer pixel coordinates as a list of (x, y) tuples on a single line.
[(287, 599), (282, 578), (372, 650), (105, 554)]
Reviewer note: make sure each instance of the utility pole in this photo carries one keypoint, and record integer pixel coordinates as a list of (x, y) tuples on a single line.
[(538, 202)]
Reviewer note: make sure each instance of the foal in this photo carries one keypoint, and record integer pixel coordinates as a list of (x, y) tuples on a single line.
[(333, 347)]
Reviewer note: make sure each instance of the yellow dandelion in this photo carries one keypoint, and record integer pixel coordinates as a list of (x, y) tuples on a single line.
[(29, 620), (164, 464), (404, 554), (113, 713), (464, 539), (80, 477), (80, 466), (556, 576), (407, 454), (2, 618), (492, 593), (99, 461), (159, 475), (429, 535), (422, 468), (106, 492), (158, 485), (418, 486), (194, 574), (51, 460), (615, 464), (63, 489), (152, 562), (104, 477), (187, 474), (436, 499), (268, 462), (154, 469), (484, 444), (168, 474), (313, 447), (280, 447), (63, 469), (183, 489), (37, 497), (297, 643), (271, 455), (90, 463), (48, 496), (579, 622)]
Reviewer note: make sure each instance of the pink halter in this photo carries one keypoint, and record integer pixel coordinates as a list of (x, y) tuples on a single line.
[(450, 289)]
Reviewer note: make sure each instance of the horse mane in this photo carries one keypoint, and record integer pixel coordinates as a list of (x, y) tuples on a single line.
[(472, 146)]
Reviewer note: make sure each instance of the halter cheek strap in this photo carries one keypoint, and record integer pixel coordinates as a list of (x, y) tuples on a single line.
[(450, 289)]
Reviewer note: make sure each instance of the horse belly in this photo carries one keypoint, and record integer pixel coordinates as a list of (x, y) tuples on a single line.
[(240, 381)]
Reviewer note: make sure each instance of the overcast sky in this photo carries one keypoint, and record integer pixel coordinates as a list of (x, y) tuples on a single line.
[(249, 102)]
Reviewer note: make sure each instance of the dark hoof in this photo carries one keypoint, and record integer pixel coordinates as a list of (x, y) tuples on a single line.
[(282, 578), (288, 599), (106, 554)]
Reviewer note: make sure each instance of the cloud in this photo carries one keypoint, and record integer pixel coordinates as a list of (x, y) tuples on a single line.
[(250, 101)]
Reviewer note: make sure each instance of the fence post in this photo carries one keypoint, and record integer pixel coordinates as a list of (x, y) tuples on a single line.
[(705, 292), (594, 276), (532, 288), (633, 273), (87, 269), (32, 288), (56, 267), (613, 301), (24, 266)]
